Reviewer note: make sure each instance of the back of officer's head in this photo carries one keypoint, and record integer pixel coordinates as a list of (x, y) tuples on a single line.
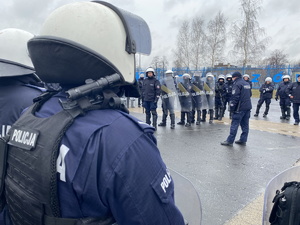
[(14, 58), (87, 40)]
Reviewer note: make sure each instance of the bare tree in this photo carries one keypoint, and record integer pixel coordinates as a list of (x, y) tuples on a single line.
[(216, 38), (182, 52), (277, 58), (249, 41), (197, 42)]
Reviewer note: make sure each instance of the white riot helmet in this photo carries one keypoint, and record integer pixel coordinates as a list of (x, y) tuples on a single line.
[(150, 69), (169, 72), (286, 77), (246, 75), (268, 79), (85, 40), (221, 76), (228, 76), (142, 75), (14, 58), (209, 74), (186, 76)]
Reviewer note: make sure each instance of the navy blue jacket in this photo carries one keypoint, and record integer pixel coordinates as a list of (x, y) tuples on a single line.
[(281, 90), (228, 90), (266, 91), (241, 96), (16, 94), (294, 90), (110, 164), (151, 89)]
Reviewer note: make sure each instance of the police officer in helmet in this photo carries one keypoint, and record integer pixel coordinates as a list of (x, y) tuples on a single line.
[(151, 92), (18, 83), (266, 93), (84, 159), (284, 99), (168, 95)]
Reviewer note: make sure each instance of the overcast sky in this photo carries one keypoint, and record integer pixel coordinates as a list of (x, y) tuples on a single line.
[(281, 19)]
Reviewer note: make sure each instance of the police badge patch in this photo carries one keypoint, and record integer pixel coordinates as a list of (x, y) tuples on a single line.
[(23, 138)]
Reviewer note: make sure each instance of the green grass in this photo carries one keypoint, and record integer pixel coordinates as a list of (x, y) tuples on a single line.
[(255, 93)]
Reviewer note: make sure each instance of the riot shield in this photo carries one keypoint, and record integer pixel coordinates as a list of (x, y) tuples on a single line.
[(197, 93), (291, 174), (168, 94), (184, 95), (187, 199), (208, 95)]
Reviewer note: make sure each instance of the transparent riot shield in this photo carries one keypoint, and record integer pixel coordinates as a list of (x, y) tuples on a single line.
[(291, 174), (168, 94), (184, 96), (208, 95), (187, 199)]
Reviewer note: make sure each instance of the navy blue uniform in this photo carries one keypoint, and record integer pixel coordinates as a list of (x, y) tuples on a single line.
[(107, 169), (284, 100), (16, 94), (227, 94), (219, 100), (266, 93), (294, 90), (151, 92), (240, 106)]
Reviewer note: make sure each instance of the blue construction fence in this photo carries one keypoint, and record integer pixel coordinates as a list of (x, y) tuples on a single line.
[(257, 74)]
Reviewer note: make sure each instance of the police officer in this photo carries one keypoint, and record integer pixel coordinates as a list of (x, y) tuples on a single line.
[(227, 93), (197, 92), (208, 99), (18, 83), (246, 77), (285, 102), (293, 92), (266, 93), (151, 92), (84, 159), (168, 95), (185, 99), (219, 98), (140, 83), (240, 106)]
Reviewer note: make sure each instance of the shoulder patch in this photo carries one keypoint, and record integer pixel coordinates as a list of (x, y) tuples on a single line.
[(163, 185)]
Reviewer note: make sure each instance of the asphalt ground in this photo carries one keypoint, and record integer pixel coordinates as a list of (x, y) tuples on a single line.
[(230, 180)]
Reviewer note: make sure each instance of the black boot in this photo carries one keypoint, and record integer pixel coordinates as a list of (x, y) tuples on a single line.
[(154, 120), (211, 116), (148, 118), (220, 113), (188, 119), (193, 112), (257, 111), (172, 116), (198, 117), (182, 119), (163, 123), (283, 116), (288, 113), (216, 113), (203, 115), (266, 111)]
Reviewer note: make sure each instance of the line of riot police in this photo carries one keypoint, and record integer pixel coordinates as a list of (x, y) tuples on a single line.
[(199, 95), (196, 97)]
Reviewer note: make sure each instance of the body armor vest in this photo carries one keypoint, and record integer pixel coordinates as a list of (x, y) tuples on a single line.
[(31, 174)]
